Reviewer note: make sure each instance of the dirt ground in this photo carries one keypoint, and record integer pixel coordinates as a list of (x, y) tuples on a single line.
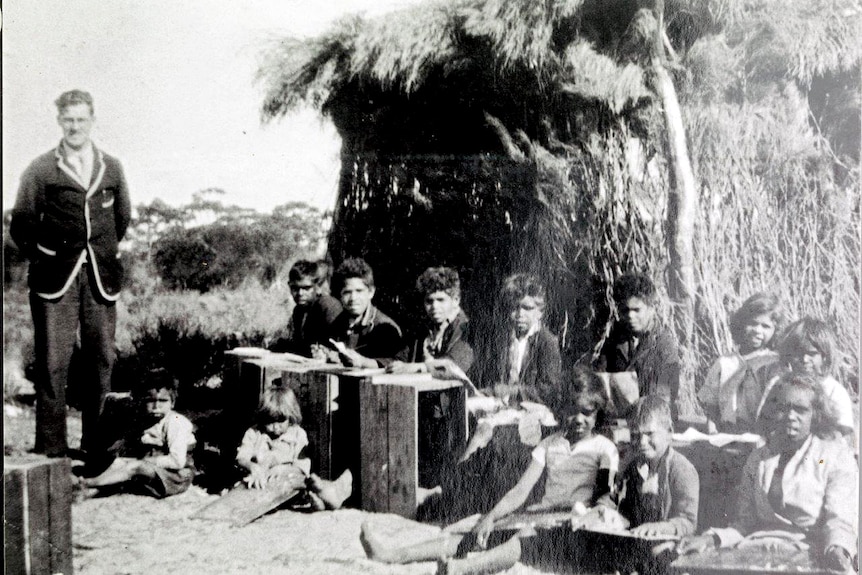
[(128, 534)]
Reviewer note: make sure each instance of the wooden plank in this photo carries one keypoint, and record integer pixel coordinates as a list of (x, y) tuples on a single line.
[(14, 522), (313, 391), (753, 560), (460, 422), (320, 392), (39, 518), (240, 506), (403, 440), (60, 492), (345, 442), (374, 447)]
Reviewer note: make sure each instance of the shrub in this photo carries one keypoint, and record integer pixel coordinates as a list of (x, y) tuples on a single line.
[(187, 333)]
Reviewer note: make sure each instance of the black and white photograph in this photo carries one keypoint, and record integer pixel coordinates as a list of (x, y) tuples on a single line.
[(431, 287)]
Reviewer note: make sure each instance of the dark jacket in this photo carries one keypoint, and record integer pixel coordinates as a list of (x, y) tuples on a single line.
[(455, 346), (541, 369), (655, 360), (378, 339), (677, 498), (310, 325), (56, 220)]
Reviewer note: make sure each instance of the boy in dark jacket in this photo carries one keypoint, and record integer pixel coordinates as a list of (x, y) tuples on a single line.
[(366, 336), (443, 337), (314, 311), (640, 343), (531, 366)]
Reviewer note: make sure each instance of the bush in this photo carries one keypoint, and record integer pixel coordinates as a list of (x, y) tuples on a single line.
[(187, 333)]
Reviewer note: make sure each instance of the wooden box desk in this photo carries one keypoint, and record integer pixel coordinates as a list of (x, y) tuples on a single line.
[(37, 516), (330, 417), (390, 421), (719, 470)]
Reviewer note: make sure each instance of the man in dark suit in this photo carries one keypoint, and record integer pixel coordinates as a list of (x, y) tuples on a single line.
[(72, 210)]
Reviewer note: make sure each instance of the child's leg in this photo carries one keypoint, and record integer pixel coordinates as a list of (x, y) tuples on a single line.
[(437, 548), (121, 470), (494, 560), (332, 493), (288, 476)]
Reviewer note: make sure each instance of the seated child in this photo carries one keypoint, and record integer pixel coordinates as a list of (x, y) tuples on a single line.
[(799, 489), (529, 371), (443, 337), (314, 309), (445, 333), (270, 453), (578, 468), (657, 493), (808, 347), (658, 490), (733, 389), (531, 364), (155, 461), (367, 336), (640, 343)]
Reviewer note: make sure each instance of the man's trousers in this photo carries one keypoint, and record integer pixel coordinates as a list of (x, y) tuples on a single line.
[(56, 324)]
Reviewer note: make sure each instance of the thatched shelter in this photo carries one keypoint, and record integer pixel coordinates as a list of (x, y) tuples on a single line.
[(512, 135)]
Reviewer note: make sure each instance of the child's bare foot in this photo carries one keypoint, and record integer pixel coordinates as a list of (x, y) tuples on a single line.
[(492, 561), (375, 548), (317, 503), (332, 493)]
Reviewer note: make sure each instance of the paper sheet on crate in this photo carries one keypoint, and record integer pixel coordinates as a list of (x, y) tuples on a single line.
[(692, 435)]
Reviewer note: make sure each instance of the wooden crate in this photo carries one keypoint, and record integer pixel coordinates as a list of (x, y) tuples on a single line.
[(330, 418), (37, 526), (390, 423)]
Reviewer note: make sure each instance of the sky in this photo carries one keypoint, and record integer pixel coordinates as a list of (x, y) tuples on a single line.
[(175, 99)]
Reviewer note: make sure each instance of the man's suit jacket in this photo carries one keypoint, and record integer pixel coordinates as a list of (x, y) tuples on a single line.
[(58, 222)]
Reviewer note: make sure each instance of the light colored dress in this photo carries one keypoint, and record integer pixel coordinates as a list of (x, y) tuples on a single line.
[(258, 447), (572, 469)]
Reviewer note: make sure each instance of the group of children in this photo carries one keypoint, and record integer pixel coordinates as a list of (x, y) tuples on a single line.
[(777, 383)]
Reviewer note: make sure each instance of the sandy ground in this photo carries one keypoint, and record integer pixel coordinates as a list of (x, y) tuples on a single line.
[(128, 534)]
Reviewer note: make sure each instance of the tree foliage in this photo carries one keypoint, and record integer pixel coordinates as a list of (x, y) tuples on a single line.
[(240, 244)]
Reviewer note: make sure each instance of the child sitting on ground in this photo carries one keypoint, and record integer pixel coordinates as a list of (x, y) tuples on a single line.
[(733, 387), (363, 334), (270, 453), (578, 467), (640, 343), (155, 461), (314, 309), (798, 490), (658, 491), (529, 371), (807, 347)]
